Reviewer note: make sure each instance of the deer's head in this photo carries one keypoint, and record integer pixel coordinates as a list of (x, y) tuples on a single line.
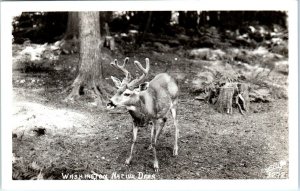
[(127, 93)]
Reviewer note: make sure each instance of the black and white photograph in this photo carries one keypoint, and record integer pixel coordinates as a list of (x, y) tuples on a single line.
[(139, 94)]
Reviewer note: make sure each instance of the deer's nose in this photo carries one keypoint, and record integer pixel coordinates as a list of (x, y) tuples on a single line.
[(110, 105)]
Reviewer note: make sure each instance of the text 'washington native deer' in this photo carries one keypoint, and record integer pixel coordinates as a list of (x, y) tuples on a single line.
[(149, 103)]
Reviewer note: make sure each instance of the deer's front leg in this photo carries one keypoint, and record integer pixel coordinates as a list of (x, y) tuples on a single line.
[(135, 130)]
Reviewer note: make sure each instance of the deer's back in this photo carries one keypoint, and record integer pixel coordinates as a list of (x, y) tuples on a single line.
[(164, 85), (162, 91)]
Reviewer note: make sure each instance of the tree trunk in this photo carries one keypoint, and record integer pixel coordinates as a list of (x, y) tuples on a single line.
[(69, 43), (148, 23), (89, 80), (72, 26)]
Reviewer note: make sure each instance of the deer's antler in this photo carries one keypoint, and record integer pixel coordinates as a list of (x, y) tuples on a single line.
[(145, 71), (116, 64)]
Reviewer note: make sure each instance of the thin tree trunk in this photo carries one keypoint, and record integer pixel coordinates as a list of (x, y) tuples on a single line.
[(69, 41), (148, 23), (72, 26), (89, 78)]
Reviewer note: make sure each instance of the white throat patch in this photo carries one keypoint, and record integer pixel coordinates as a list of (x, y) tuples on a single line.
[(132, 108)]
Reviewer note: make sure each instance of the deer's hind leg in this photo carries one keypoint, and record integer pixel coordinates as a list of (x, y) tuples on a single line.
[(174, 115), (152, 136), (158, 126)]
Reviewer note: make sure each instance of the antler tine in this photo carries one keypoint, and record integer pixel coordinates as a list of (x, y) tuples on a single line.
[(145, 71), (125, 62), (116, 64), (139, 65)]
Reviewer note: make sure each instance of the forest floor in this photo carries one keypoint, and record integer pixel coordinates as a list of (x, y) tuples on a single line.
[(53, 139)]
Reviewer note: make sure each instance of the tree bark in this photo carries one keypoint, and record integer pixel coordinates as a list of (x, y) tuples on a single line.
[(90, 79), (233, 94), (224, 102)]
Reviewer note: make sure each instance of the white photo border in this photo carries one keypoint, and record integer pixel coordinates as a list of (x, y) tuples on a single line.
[(9, 9)]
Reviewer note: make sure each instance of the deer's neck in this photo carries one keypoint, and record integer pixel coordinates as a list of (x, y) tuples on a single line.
[(143, 111)]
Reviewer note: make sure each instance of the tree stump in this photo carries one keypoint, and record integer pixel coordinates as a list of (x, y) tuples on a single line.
[(224, 101), (109, 42), (233, 94)]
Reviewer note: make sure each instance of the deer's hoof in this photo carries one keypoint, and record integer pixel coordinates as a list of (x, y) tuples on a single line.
[(156, 168), (175, 151), (128, 160), (150, 147)]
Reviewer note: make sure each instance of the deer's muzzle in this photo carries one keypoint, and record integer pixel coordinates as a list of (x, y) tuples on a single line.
[(110, 105)]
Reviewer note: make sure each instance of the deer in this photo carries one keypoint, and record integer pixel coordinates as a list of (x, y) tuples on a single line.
[(148, 103)]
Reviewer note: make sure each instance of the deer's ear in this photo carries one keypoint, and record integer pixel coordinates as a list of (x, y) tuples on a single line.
[(144, 86), (116, 81)]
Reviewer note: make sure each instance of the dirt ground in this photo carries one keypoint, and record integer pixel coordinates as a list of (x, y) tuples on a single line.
[(82, 139)]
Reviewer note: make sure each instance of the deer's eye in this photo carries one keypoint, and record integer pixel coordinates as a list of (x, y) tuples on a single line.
[(126, 94)]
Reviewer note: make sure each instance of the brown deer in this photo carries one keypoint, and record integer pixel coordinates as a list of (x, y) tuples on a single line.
[(147, 103)]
